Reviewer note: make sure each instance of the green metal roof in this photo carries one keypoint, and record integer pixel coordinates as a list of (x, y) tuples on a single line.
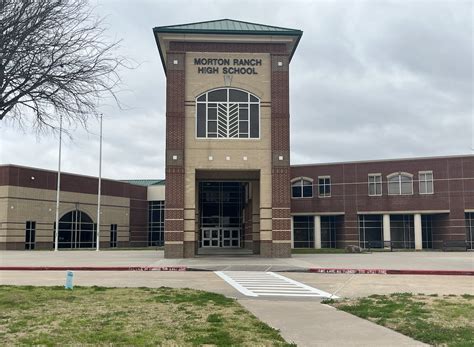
[(227, 26), (146, 182)]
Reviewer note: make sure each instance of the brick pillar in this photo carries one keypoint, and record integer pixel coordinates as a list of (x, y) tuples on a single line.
[(175, 128), (280, 139)]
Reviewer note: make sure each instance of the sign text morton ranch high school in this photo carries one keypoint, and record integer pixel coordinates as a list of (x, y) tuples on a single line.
[(228, 66)]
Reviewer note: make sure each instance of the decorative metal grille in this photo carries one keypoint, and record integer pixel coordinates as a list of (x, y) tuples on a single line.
[(227, 113)]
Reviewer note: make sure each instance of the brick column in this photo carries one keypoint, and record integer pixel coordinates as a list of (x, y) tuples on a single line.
[(280, 130), (174, 203)]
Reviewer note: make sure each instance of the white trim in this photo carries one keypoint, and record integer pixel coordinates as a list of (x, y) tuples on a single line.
[(318, 214), (299, 182), (418, 231), (399, 175), (387, 232), (381, 184), (301, 178), (317, 232), (420, 182), (330, 187), (405, 212)]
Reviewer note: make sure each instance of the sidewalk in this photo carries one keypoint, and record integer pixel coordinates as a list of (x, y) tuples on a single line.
[(309, 323), (377, 260)]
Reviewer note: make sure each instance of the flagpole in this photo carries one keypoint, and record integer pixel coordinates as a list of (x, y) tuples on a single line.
[(99, 188), (56, 235)]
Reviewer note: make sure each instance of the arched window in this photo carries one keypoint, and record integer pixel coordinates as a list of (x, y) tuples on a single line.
[(227, 113), (400, 183), (76, 230), (302, 187)]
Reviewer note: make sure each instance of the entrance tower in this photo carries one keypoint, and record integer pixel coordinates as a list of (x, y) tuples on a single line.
[(227, 137)]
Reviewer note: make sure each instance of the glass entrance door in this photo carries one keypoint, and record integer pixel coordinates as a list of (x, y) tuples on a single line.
[(230, 237), (221, 213), (210, 237)]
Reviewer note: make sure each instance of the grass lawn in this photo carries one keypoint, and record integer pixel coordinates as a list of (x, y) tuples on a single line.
[(438, 320), (127, 316)]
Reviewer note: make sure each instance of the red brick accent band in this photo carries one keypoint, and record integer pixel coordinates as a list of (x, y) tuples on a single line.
[(392, 272), (228, 47), (93, 268)]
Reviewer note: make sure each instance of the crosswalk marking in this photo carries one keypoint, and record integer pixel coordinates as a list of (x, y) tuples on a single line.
[(256, 284)]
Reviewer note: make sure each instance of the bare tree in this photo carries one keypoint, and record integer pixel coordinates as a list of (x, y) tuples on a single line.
[(55, 60)]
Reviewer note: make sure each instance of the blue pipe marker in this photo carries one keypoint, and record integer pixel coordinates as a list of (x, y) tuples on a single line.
[(69, 277)]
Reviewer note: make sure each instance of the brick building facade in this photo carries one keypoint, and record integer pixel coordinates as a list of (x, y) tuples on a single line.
[(229, 184)]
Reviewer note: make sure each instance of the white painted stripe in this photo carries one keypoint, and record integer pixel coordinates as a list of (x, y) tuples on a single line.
[(321, 292), (289, 294), (269, 284), (235, 284)]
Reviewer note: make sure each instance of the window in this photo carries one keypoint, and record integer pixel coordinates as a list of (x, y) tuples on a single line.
[(328, 231), (113, 235), (400, 184), (303, 231), (30, 236), (375, 184), (402, 231), (77, 230), (227, 113), (156, 223), (324, 185), (470, 229), (371, 231), (427, 231), (426, 182), (302, 188)]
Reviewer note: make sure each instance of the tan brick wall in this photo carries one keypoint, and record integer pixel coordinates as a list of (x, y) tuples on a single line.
[(21, 204), (257, 151)]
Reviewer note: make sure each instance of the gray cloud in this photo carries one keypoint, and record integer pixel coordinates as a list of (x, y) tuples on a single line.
[(373, 79)]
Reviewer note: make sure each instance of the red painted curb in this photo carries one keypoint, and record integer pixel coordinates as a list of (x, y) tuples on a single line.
[(392, 272), (94, 268)]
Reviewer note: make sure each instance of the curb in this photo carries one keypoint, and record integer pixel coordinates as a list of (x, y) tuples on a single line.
[(392, 272), (94, 268), (184, 268)]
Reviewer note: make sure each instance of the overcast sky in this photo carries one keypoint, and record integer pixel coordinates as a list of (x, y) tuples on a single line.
[(369, 80)]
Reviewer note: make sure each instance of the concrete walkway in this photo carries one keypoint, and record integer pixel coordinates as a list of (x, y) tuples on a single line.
[(377, 260), (310, 323)]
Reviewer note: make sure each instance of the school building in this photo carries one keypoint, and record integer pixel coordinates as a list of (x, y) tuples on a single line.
[(229, 186)]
